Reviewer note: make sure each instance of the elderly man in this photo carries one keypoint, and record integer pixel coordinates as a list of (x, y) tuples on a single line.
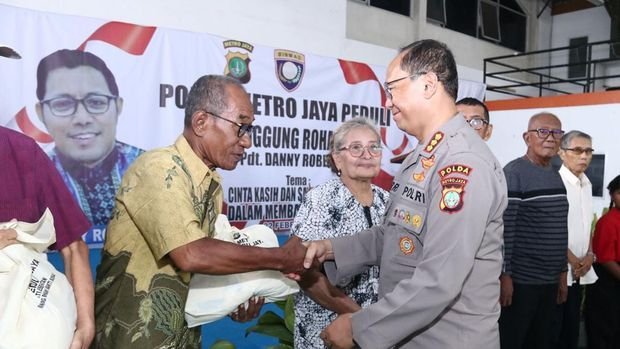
[(576, 154), (162, 226), (30, 184), (477, 116), (439, 248), (79, 103), (535, 239)]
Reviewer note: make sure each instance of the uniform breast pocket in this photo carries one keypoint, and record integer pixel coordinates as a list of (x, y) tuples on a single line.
[(402, 267), (21, 209), (402, 252)]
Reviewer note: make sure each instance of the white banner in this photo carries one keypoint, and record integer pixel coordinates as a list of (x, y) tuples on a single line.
[(298, 98)]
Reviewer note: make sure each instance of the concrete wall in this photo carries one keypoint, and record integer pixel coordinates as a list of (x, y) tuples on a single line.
[(593, 23), (335, 28)]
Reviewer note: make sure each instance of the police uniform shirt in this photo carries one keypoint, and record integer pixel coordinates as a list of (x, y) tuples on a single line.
[(439, 250)]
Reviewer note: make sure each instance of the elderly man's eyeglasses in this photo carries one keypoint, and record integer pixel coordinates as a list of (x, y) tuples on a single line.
[(477, 123), (64, 106), (580, 150), (543, 133), (243, 128), (357, 149), (387, 86)]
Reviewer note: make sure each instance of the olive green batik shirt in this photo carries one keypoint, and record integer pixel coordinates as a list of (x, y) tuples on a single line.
[(167, 199)]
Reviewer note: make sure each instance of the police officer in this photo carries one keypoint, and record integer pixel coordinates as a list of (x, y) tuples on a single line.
[(439, 248)]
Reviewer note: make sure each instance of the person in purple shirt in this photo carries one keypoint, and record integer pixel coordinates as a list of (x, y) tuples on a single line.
[(29, 183)]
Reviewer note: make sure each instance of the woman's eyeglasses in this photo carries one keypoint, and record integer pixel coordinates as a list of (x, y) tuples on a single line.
[(357, 149)]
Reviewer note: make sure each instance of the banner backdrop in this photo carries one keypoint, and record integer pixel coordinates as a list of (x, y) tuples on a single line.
[(298, 99)]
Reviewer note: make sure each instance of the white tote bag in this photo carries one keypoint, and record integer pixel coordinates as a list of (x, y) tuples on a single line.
[(37, 305), (212, 297)]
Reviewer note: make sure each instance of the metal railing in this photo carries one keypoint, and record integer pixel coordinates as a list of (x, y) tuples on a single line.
[(545, 77)]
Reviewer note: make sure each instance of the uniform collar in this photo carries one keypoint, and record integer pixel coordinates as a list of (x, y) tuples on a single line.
[(439, 136), (430, 146)]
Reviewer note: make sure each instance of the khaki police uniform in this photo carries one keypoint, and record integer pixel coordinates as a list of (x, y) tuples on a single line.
[(439, 249)]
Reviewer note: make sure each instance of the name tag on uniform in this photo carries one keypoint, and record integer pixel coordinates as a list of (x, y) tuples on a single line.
[(412, 193)]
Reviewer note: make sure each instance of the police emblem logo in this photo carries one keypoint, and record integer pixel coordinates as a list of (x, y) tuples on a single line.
[(237, 62), (419, 177), (428, 162), (451, 199), (290, 68), (237, 66), (452, 194), (406, 245)]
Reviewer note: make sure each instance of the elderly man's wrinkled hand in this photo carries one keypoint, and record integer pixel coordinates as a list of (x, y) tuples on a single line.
[(8, 237), (294, 251)]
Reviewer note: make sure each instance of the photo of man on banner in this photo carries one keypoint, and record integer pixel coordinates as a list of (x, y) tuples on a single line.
[(79, 104)]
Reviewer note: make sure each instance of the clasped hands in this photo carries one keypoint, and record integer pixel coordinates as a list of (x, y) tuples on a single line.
[(301, 256), (580, 266)]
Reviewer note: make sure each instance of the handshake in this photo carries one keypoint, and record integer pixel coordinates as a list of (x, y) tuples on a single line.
[(300, 256)]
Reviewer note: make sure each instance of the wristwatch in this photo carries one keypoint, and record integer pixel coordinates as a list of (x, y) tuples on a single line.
[(590, 253)]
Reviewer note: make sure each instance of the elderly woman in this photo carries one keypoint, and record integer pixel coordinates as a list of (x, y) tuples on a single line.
[(342, 206)]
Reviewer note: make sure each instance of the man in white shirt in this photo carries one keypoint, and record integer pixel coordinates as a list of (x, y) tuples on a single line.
[(576, 154)]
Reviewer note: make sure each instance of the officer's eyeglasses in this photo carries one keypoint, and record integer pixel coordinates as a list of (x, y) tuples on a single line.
[(357, 149), (243, 128), (580, 150), (94, 103), (543, 133), (477, 123), (387, 86)]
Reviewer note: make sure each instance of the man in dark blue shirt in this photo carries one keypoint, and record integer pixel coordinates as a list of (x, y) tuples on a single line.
[(533, 279)]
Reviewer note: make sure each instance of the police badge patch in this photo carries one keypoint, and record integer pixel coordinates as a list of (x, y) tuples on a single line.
[(452, 194), (238, 63), (290, 68), (453, 186), (406, 245)]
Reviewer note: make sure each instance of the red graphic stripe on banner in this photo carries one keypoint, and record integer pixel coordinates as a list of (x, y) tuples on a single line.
[(401, 147), (130, 38), (355, 72), (28, 128)]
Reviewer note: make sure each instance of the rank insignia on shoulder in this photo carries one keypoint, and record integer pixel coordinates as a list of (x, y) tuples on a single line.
[(435, 140), (406, 245)]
